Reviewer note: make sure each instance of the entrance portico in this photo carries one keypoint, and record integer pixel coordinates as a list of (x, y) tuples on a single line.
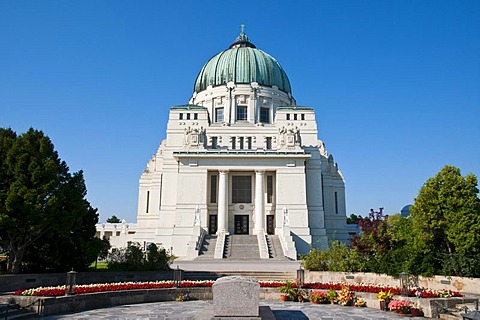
[(236, 212)]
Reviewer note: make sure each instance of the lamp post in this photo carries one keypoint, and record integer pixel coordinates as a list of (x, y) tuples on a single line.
[(71, 282), (177, 276), (301, 276), (404, 284)]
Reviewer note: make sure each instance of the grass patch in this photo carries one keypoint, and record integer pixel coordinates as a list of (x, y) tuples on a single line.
[(101, 266)]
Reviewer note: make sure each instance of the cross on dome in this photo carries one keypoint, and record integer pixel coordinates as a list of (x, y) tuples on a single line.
[(242, 39)]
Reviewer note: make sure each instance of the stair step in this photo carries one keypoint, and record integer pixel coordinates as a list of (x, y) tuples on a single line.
[(260, 276), (13, 311), (242, 248), (207, 249)]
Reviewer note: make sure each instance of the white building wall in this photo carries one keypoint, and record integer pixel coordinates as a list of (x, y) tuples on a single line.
[(176, 178)]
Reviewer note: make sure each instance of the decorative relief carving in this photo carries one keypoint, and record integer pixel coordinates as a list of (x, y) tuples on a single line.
[(289, 138), (322, 148), (194, 138)]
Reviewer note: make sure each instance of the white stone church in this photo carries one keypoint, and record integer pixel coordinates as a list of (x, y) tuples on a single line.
[(241, 158)]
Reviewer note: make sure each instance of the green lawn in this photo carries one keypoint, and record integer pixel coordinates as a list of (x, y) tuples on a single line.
[(101, 265)]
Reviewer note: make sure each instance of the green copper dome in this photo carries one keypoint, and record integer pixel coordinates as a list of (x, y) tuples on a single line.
[(242, 63)]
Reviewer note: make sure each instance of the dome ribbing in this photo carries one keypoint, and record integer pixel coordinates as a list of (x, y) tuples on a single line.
[(242, 63)]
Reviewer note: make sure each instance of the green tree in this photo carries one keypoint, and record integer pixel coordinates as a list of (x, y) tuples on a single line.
[(337, 257), (132, 258), (42, 205), (104, 248), (446, 215), (113, 219), (157, 258), (353, 219), (374, 241)]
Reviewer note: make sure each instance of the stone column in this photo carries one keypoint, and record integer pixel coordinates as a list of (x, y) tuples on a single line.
[(223, 202), (259, 202)]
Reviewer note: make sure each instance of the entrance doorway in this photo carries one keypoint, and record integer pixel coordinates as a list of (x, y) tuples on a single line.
[(241, 224), (270, 224), (212, 224)]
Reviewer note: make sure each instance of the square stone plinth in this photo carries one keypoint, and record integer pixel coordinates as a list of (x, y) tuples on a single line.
[(236, 296)]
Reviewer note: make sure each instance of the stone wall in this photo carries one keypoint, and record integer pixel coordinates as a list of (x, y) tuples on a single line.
[(26, 281), (463, 285), (45, 306)]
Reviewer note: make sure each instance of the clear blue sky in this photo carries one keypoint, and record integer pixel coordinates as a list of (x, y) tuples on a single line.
[(395, 84)]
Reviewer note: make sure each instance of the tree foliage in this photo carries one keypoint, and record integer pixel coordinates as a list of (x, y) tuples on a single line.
[(375, 237), (113, 219), (441, 236), (45, 221), (337, 257), (132, 258), (446, 213), (353, 219)]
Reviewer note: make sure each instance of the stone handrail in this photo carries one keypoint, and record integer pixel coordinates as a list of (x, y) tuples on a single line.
[(262, 246), (219, 246)]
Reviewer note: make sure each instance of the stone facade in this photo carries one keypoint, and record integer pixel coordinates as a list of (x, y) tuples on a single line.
[(119, 234), (241, 158)]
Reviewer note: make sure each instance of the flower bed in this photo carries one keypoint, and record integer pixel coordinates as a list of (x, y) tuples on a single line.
[(91, 288), (400, 306)]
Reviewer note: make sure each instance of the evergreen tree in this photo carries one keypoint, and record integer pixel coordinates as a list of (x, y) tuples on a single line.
[(45, 221), (113, 219)]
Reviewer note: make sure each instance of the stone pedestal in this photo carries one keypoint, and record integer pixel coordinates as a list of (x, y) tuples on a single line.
[(236, 296)]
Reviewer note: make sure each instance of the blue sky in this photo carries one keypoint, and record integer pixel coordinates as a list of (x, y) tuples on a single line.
[(395, 84)]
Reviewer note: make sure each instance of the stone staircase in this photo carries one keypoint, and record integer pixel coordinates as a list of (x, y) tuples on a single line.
[(275, 250), (14, 311), (208, 248), (241, 247), (458, 312), (260, 276)]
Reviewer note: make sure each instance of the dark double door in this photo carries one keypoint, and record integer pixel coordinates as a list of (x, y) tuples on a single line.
[(241, 224), (212, 224), (270, 224)]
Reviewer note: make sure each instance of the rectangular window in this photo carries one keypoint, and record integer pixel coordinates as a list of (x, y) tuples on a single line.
[(240, 143), (336, 202), (214, 142), (148, 201), (180, 116), (195, 116), (269, 189), (288, 116), (234, 143), (302, 116), (268, 142), (213, 189), (249, 143), (219, 115), (264, 115), (241, 113), (294, 116), (188, 116), (241, 189)]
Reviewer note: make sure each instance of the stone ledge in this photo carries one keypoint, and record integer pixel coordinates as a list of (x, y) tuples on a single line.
[(45, 306)]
